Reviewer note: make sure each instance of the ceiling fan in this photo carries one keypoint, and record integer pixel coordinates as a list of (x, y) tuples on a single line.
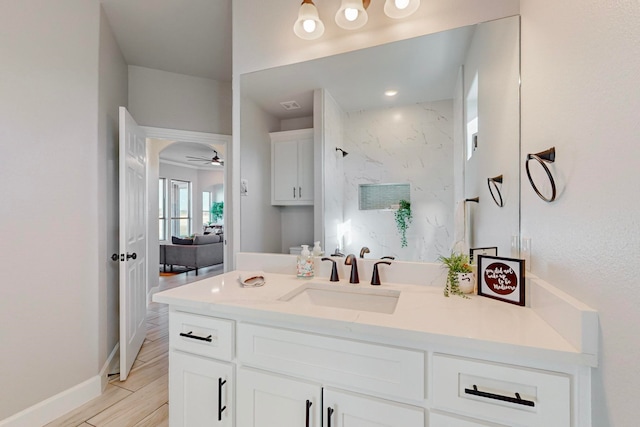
[(215, 160)]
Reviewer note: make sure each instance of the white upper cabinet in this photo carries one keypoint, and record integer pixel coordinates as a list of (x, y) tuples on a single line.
[(292, 167)]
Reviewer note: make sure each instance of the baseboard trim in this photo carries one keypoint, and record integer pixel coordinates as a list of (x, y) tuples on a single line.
[(56, 406)]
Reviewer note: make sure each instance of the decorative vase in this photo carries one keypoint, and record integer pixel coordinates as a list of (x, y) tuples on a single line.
[(466, 282)]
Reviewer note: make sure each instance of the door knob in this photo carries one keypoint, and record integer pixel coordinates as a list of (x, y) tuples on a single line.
[(133, 256), (114, 257)]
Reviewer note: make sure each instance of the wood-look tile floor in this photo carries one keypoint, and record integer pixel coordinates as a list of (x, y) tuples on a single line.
[(143, 399)]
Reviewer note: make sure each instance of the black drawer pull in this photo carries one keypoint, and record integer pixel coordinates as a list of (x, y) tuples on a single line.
[(516, 399), (221, 408), (195, 337)]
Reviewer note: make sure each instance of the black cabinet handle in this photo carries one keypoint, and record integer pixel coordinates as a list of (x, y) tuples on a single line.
[(221, 408), (195, 337), (309, 403), (294, 192), (510, 399), (300, 192), (329, 413)]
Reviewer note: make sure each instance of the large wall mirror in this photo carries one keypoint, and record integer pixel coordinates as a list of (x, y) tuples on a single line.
[(453, 123)]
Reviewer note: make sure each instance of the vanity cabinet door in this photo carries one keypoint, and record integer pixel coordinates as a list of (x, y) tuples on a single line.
[(200, 392), (344, 409), (270, 400)]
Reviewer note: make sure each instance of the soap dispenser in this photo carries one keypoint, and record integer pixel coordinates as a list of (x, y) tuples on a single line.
[(317, 250), (305, 263)]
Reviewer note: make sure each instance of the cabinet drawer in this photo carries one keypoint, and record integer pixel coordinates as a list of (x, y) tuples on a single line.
[(355, 365), (501, 393), (203, 335)]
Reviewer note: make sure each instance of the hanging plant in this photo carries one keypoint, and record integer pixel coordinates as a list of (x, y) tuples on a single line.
[(403, 219)]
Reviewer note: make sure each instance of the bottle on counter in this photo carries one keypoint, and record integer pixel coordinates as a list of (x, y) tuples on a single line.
[(317, 250), (305, 263)]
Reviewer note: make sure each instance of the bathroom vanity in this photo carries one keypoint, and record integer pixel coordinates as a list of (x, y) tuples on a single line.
[(318, 353)]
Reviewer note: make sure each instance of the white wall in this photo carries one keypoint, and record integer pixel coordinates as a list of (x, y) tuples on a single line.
[(260, 222), (49, 323), (581, 94), (112, 93), (176, 101), (412, 145)]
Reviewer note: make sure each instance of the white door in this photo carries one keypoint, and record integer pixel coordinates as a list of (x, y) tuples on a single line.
[(133, 241), (269, 400), (343, 409)]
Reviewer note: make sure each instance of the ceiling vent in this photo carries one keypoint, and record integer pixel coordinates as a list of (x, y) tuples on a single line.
[(290, 105)]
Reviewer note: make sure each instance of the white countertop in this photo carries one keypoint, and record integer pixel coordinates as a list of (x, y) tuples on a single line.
[(423, 316)]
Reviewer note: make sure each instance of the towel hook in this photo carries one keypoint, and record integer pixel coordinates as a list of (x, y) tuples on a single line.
[(475, 200), (494, 189), (543, 157)]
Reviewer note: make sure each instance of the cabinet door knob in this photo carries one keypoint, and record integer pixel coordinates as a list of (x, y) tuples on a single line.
[(309, 403)]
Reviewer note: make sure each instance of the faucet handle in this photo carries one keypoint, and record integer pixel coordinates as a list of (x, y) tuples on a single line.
[(388, 257), (375, 277), (334, 270)]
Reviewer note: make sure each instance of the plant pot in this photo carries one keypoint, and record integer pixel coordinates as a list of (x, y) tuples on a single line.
[(466, 282)]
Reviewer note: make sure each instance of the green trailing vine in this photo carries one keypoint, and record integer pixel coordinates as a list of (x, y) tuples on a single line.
[(456, 263), (403, 219)]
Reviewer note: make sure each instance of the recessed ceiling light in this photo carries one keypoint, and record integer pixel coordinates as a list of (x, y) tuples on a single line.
[(391, 92)]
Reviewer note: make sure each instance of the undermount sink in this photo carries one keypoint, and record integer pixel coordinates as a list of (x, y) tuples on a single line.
[(345, 296)]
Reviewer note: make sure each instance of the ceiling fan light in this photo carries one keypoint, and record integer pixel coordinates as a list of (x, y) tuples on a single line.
[(352, 14), (308, 26), (398, 9)]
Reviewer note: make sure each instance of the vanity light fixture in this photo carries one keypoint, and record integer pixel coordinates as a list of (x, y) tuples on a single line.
[(308, 26), (351, 15), (398, 9)]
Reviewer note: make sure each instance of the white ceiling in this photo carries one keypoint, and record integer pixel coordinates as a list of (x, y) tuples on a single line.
[(420, 69), (191, 37)]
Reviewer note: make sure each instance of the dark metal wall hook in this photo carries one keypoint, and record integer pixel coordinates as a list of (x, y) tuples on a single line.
[(543, 157), (475, 200), (495, 190)]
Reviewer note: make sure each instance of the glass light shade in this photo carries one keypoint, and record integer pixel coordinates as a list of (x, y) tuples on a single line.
[(308, 26), (345, 15), (394, 8)]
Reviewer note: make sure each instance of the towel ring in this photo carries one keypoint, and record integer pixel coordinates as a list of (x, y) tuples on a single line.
[(543, 157), (493, 185)]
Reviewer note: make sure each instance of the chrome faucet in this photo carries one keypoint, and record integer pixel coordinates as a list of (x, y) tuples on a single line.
[(353, 262)]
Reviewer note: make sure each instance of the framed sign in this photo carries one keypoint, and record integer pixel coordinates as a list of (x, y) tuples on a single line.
[(474, 252), (501, 278)]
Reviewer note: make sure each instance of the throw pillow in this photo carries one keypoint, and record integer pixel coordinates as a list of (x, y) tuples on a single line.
[(180, 241), (206, 240)]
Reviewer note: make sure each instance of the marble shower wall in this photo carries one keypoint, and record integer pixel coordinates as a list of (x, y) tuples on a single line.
[(411, 144)]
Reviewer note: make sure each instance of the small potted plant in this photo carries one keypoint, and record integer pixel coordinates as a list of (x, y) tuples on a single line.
[(460, 276), (403, 219)]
